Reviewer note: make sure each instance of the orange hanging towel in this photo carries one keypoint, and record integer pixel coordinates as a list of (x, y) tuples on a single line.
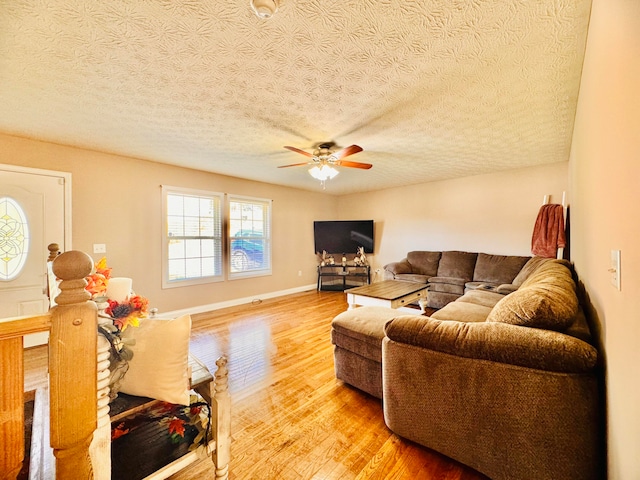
[(548, 232)]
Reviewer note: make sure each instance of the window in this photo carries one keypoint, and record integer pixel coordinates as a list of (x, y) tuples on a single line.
[(192, 243), (249, 237), (14, 238)]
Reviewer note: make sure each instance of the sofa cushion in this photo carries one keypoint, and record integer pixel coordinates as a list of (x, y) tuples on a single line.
[(424, 263), (411, 277), (403, 266), (497, 269), (457, 264), (448, 281), (528, 269), (447, 285), (440, 299), (481, 297), (462, 312), (361, 330), (487, 286), (547, 299), (553, 272), (506, 288)]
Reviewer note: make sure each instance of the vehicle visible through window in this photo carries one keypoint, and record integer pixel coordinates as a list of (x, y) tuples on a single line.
[(249, 237), (247, 250)]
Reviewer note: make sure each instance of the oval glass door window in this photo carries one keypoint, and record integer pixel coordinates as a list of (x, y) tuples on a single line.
[(14, 238)]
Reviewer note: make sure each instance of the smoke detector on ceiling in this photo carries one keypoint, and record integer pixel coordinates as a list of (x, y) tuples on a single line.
[(264, 8)]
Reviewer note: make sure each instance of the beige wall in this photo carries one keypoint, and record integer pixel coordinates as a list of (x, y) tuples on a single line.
[(492, 213), (117, 201), (605, 188)]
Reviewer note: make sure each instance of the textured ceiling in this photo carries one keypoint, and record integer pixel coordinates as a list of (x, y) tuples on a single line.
[(431, 89)]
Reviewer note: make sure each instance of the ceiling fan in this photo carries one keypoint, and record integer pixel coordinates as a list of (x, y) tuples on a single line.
[(325, 157)]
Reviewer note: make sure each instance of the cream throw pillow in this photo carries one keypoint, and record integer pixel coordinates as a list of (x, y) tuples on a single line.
[(160, 364)]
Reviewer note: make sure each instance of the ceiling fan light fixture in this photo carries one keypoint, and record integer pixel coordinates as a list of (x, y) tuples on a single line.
[(323, 172), (264, 9)]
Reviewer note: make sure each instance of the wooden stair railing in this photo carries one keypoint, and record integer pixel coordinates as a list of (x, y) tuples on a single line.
[(72, 366), (78, 394)]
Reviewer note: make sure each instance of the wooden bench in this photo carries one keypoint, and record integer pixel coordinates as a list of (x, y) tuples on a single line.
[(160, 458), (124, 405)]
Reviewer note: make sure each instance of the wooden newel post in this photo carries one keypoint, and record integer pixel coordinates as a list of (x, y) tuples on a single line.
[(72, 367)]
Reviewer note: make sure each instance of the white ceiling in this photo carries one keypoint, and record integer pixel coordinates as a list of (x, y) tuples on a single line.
[(431, 89)]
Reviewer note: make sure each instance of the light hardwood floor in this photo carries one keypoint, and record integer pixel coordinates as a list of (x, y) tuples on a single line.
[(291, 419)]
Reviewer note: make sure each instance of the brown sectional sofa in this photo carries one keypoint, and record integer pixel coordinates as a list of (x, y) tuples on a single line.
[(506, 384), (450, 273)]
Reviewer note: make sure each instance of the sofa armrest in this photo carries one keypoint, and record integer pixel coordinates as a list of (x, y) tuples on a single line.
[(403, 266), (496, 342), (506, 288)]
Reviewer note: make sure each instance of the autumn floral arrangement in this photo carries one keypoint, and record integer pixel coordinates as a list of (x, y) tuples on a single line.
[(125, 313), (114, 318)]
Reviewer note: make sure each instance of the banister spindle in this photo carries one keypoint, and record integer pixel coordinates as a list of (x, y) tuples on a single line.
[(72, 367), (221, 405)]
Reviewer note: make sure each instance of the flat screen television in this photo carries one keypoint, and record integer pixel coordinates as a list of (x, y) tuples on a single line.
[(343, 236)]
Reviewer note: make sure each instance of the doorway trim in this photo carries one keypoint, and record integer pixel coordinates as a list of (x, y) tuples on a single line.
[(65, 177)]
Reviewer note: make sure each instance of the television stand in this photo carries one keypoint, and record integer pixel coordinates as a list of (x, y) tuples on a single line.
[(340, 278)]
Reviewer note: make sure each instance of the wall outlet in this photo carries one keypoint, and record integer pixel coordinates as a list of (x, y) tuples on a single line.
[(614, 269), (299, 273), (99, 248)]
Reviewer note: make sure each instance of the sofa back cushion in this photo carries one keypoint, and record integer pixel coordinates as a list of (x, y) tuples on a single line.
[(457, 264), (498, 269), (547, 299), (424, 263), (528, 269)]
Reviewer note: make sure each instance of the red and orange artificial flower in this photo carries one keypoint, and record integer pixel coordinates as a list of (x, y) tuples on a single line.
[(129, 312), (97, 281)]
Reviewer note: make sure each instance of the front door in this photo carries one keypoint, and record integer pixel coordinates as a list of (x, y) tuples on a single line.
[(32, 215)]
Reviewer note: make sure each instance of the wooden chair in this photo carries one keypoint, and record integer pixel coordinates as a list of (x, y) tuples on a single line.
[(77, 370)]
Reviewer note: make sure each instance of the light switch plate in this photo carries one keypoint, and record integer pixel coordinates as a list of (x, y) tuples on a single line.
[(615, 269)]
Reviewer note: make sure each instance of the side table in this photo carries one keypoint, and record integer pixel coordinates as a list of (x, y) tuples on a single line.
[(340, 278)]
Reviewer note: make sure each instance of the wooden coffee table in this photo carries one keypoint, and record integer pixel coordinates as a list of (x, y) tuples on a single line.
[(389, 293)]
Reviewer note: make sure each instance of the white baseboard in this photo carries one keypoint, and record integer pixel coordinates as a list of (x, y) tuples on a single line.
[(235, 302)]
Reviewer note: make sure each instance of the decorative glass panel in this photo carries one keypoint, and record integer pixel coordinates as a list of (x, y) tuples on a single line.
[(14, 238)]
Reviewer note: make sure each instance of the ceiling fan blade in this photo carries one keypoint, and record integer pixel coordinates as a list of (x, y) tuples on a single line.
[(294, 165), (345, 152), (348, 163), (294, 149)]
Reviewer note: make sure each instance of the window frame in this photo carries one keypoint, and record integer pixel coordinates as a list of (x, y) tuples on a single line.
[(218, 226), (267, 205)]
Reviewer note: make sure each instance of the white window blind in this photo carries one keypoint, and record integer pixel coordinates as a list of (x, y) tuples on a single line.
[(192, 243)]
